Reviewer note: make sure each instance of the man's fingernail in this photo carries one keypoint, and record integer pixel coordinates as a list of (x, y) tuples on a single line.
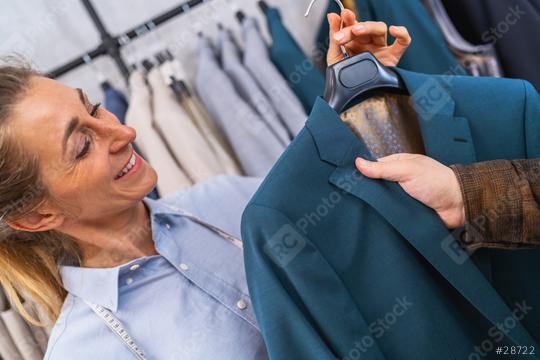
[(359, 27), (339, 36), (362, 162)]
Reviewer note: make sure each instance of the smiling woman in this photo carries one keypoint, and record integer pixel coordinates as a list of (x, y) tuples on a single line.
[(66, 163)]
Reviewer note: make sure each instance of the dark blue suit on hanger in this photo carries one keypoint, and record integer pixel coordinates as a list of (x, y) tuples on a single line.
[(343, 266)]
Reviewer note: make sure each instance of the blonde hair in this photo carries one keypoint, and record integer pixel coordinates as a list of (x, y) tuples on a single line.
[(28, 261)]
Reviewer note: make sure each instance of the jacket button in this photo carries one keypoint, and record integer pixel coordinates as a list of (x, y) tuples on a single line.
[(241, 304)]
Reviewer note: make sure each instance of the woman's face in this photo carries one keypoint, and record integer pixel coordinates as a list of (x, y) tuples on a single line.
[(82, 150)]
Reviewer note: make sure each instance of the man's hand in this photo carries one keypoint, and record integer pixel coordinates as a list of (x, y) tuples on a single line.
[(358, 37), (423, 178)]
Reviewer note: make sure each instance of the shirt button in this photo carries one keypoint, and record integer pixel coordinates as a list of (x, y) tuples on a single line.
[(129, 281), (168, 226), (134, 267), (184, 267), (241, 304)]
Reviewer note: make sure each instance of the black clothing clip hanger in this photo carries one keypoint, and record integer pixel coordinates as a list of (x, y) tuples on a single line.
[(240, 16), (263, 6), (355, 78)]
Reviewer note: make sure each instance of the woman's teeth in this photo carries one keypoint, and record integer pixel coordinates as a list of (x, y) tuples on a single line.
[(128, 167)]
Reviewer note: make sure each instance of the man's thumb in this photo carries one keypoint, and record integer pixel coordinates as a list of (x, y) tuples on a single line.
[(380, 170)]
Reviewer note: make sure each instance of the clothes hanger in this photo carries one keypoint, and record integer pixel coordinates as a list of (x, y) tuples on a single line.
[(263, 6), (240, 16), (147, 65), (356, 78), (128, 51)]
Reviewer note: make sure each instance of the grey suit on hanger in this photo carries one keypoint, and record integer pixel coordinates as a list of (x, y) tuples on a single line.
[(8, 349), (247, 86), (39, 333), (220, 147), (188, 146), (256, 147), (257, 61), (21, 335)]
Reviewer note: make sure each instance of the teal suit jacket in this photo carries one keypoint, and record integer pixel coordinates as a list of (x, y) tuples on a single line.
[(343, 266)]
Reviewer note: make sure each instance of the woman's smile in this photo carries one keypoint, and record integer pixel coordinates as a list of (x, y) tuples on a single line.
[(131, 168)]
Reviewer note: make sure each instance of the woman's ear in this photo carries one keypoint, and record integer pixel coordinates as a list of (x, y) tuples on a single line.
[(37, 221)]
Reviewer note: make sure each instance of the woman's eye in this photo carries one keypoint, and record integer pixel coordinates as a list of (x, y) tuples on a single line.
[(95, 109), (85, 149)]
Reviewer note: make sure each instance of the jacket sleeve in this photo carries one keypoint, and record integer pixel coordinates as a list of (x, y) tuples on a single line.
[(502, 203), (303, 309)]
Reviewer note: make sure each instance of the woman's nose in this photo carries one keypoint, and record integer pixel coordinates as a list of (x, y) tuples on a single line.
[(121, 136)]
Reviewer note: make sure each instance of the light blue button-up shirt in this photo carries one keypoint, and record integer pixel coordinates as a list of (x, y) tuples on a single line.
[(189, 302)]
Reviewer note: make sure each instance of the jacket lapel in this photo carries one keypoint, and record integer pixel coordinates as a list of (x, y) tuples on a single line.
[(447, 138), (338, 145)]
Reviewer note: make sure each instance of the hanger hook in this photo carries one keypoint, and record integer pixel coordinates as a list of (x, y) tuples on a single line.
[(340, 4)]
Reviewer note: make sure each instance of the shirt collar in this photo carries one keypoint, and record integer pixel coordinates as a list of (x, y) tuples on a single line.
[(100, 285)]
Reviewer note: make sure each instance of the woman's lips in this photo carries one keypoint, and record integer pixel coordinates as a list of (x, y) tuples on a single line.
[(135, 168)]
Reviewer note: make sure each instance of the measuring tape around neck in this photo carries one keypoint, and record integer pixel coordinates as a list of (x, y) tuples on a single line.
[(116, 326)]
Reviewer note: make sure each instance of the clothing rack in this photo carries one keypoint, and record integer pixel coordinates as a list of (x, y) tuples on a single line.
[(110, 45)]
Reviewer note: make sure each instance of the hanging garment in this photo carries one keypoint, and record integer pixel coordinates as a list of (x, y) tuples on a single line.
[(116, 103), (4, 304), (304, 79), (171, 178), (506, 24), (479, 60), (172, 70), (256, 147), (222, 149), (208, 122), (8, 349), (39, 334), (247, 87), (21, 335), (343, 266), (189, 147), (257, 61), (428, 52)]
